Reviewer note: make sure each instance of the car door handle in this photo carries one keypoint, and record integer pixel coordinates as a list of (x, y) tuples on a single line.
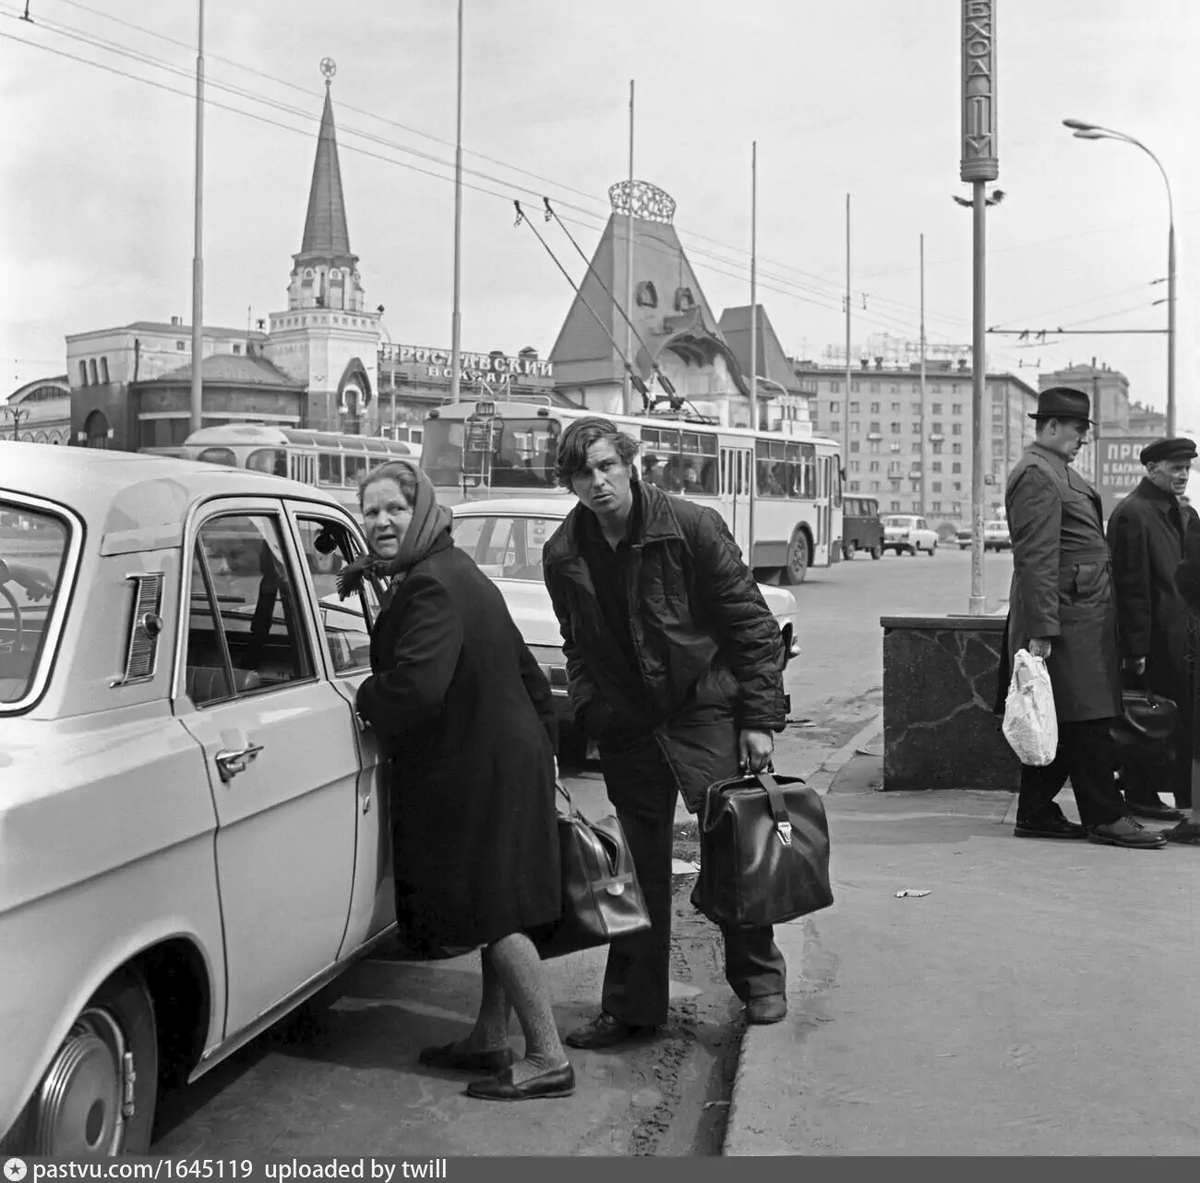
[(230, 763)]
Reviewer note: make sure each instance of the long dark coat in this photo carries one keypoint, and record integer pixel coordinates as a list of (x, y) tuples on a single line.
[(467, 718), (1145, 535), (710, 652), (1187, 583), (1062, 586)]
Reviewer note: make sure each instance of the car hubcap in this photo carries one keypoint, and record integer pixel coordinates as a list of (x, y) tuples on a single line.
[(79, 1105)]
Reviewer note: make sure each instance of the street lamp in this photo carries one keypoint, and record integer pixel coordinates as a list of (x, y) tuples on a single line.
[(1092, 131)]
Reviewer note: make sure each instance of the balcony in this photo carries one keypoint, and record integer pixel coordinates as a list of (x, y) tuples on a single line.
[(874, 435), (936, 437)]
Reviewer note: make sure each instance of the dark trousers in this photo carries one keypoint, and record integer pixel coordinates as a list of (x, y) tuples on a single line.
[(1085, 754), (637, 977)]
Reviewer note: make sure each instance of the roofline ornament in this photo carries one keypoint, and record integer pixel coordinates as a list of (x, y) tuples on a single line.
[(329, 69), (642, 200)]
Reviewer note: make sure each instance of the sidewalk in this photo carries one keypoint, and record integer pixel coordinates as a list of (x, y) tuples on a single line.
[(1038, 1001)]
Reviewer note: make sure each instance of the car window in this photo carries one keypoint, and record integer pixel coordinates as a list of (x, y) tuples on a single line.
[(245, 633), (505, 547), (921, 524), (33, 546), (328, 546)]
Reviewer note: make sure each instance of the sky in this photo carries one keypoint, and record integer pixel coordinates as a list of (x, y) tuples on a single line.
[(859, 99)]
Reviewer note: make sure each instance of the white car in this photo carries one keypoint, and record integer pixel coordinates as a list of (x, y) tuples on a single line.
[(193, 836), (908, 534), (505, 535)]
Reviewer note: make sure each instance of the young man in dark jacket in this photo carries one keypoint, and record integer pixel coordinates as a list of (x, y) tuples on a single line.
[(675, 666), (1145, 535)]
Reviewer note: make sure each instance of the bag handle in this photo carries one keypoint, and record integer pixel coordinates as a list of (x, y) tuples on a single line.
[(783, 824), (558, 784)]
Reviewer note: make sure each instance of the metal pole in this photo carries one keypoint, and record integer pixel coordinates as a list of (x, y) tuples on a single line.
[(626, 384), (1096, 437), (456, 316), (846, 430), (1170, 329), (196, 408), (924, 424), (754, 286), (978, 601)]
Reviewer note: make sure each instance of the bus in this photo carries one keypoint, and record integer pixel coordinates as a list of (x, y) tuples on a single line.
[(781, 496), (329, 460)]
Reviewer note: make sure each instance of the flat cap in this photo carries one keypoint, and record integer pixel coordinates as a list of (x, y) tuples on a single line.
[(1174, 449)]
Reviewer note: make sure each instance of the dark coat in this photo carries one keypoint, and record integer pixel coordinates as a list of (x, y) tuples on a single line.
[(467, 719), (1062, 586), (710, 653), (1187, 583), (1145, 536)]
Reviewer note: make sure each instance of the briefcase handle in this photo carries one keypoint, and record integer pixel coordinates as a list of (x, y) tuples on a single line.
[(558, 784), (783, 824)]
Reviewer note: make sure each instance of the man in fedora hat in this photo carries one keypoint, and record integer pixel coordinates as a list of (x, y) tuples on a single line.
[(1061, 608), (1145, 534)]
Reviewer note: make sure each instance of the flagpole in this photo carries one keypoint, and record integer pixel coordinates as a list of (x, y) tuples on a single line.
[(626, 384), (196, 407), (456, 316), (754, 286)]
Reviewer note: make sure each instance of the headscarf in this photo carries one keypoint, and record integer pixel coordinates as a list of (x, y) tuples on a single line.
[(429, 521)]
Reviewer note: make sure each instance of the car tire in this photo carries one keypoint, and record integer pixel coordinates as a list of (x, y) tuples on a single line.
[(796, 567), (849, 551), (933, 550), (77, 1110), (877, 552)]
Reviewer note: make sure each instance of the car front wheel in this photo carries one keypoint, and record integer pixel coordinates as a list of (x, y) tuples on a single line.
[(98, 1096)]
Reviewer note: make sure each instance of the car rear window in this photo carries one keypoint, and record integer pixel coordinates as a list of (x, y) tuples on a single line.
[(33, 547)]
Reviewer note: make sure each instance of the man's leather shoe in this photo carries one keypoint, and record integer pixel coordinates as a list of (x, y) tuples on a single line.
[(605, 1030), (558, 1082), (1156, 812), (1049, 827), (770, 1008), (449, 1056), (1126, 832)]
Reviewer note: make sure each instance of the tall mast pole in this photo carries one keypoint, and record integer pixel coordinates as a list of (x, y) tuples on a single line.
[(754, 286), (846, 420), (924, 424), (196, 407), (456, 316), (626, 385)]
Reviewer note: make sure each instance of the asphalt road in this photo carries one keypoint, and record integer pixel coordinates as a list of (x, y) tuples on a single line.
[(341, 1077)]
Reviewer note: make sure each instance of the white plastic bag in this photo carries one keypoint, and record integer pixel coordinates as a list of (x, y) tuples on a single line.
[(1030, 724)]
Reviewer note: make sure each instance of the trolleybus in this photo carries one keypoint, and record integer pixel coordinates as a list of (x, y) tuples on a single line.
[(781, 496)]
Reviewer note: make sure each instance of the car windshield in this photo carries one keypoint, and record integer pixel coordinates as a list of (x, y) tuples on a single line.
[(897, 521), (505, 546), (33, 545)]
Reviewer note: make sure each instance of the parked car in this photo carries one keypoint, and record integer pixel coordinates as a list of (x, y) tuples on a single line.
[(505, 537), (963, 537), (861, 527), (996, 535), (193, 836), (908, 534)]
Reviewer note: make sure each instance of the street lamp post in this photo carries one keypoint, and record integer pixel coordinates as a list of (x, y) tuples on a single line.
[(1092, 131)]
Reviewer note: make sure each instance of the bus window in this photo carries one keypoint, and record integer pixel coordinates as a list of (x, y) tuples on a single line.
[(770, 468), (441, 451), (663, 444), (808, 471), (353, 467), (272, 460), (526, 454), (329, 468), (699, 463), (218, 456)]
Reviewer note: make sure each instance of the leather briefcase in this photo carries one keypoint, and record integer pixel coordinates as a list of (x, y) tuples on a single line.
[(764, 852), (1144, 730), (601, 898)]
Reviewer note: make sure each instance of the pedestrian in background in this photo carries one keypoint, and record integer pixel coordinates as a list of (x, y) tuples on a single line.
[(1145, 535), (675, 669), (1062, 608), (466, 717)]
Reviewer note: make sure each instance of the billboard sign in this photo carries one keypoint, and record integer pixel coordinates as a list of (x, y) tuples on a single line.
[(1118, 469)]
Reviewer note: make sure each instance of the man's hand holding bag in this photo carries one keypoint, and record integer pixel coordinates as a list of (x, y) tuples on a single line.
[(1030, 721)]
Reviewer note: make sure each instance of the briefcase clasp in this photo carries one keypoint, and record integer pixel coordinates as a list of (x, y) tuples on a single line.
[(784, 830)]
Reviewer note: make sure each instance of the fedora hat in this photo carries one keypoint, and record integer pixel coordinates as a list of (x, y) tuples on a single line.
[(1063, 402)]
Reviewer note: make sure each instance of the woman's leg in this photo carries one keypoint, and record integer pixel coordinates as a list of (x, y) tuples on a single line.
[(523, 977), (490, 1032)]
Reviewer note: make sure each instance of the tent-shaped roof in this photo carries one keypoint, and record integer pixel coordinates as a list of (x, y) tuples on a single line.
[(771, 361), (325, 233)]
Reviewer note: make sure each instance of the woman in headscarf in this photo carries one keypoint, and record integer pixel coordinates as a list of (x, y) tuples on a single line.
[(466, 717)]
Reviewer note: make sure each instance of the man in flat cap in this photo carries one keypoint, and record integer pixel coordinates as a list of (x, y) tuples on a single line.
[(1145, 534), (1061, 607)]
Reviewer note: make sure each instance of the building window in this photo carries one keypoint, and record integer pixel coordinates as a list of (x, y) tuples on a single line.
[(895, 429), (874, 408), (936, 389), (874, 486), (854, 465), (936, 466), (998, 429), (958, 486), (854, 486), (854, 408), (835, 406), (916, 428), (237, 349), (92, 372), (956, 466), (835, 425), (853, 387), (895, 389), (180, 346), (895, 507), (956, 449), (956, 409), (874, 466), (937, 447), (854, 427), (957, 508), (936, 409), (647, 296), (956, 429), (835, 387), (104, 370), (83, 373), (937, 507), (874, 387), (875, 447), (916, 449), (937, 429), (895, 408), (937, 486), (875, 427), (854, 445)]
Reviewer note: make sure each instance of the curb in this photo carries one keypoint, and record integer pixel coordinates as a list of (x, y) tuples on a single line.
[(821, 778)]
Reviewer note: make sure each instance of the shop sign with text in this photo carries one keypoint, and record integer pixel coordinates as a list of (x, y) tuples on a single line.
[(435, 363)]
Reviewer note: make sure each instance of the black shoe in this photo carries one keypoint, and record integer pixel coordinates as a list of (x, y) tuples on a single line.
[(494, 1060), (1051, 826), (1126, 832), (1186, 834), (770, 1008), (558, 1082), (1155, 812), (605, 1030)]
